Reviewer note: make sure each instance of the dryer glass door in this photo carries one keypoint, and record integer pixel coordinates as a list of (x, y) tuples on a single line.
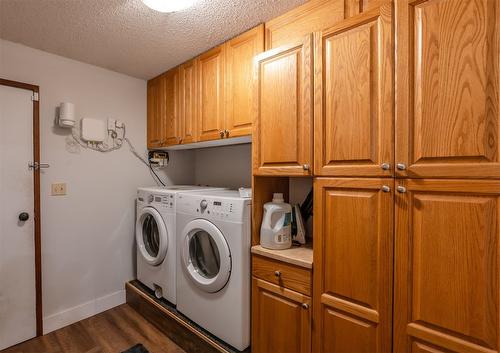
[(151, 236), (206, 255)]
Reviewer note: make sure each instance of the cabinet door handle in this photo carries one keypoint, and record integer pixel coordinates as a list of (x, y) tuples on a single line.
[(401, 166), (401, 189), (306, 166), (385, 166), (277, 274), (227, 133), (386, 188), (221, 133), (305, 306)]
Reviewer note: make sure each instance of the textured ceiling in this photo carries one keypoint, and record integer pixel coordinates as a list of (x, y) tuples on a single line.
[(125, 35)]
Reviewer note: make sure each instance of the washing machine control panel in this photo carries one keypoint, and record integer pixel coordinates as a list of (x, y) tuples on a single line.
[(164, 201), (214, 208)]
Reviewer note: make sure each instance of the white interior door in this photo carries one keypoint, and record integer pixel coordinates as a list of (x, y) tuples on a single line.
[(17, 249)]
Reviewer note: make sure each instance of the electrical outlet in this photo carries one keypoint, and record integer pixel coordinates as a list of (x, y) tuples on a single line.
[(58, 189)]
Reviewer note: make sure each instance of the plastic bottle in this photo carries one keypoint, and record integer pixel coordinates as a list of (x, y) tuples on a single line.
[(276, 230)]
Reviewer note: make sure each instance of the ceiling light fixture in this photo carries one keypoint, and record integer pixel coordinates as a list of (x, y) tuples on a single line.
[(168, 5)]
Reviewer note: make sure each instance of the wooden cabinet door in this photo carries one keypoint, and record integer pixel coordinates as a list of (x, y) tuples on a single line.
[(282, 132), (281, 319), (188, 101), (353, 122), (211, 94), (353, 255), (447, 266), (172, 107), (240, 52), (447, 84), (156, 112)]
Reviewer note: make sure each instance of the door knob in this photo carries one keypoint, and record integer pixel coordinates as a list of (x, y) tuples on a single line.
[(306, 166), (277, 274), (24, 216), (221, 134), (401, 166), (401, 189), (386, 188), (385, 166), (305, 306)]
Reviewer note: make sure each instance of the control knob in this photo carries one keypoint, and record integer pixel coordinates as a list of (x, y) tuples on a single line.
[(203, 204)]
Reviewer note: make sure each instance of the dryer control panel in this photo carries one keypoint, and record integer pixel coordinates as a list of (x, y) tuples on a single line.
[(162, 201)]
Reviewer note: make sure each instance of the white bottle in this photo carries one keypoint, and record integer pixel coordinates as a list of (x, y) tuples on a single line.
[(276, 228)]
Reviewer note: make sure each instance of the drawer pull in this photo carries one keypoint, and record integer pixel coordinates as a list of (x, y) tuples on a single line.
[(305, 306), (277, 274)]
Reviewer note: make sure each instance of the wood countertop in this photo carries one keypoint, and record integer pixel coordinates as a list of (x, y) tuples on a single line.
[(297, 255)]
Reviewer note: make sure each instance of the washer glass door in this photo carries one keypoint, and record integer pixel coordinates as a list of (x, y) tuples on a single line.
[(206, 255), (151, 236)]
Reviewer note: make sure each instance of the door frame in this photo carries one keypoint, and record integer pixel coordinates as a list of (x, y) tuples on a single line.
[(36, 186)]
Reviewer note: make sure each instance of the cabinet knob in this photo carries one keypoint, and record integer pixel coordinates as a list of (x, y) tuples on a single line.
[(385, 166), (305, 306), (221, 133), (227, 133), (401, 189), (386, 188), (306, 166), (277, 274), (401, 166)]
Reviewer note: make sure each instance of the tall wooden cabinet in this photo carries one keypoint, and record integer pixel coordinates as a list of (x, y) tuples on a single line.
[(240, 52), (353, 123), (353, 257), (156, 112), (211, 94), (447, 81), (283, 115), (447, 292), (188, 102), (172, 107)]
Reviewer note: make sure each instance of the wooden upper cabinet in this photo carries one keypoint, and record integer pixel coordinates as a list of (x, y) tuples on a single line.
[(353, 256), (353, 124), (314, 15), (188, 99), (172, 107), (240, 52), (281, 319), (211, 94), (447, 266), (283, 113), (447, 83), (156, 112), (355, 7)]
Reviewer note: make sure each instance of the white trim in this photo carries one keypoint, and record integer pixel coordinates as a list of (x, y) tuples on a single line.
[(82, 311)]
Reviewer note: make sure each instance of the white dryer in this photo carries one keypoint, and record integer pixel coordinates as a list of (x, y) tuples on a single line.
[(213, 277), (155, 237)]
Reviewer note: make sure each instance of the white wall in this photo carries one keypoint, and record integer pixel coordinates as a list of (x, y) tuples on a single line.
[(227, 166), (87, 235)]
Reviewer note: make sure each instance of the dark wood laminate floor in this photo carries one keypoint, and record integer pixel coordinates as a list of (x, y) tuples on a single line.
[(112, 331)]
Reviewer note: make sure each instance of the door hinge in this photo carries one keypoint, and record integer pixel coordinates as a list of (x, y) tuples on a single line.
[(35, 97)]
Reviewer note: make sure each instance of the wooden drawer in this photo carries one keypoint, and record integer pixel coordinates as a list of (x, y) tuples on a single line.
[(290, 276)]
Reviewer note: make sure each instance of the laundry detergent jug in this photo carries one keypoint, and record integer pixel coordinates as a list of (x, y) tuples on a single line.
[(276, 229)]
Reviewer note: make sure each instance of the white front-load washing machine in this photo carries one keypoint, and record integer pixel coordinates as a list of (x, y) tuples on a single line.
[(213, 260), (155, 237)]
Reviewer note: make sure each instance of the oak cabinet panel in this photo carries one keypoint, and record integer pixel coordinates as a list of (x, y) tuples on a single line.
[(211, 94), (282, 141), (291, 27), (240, 52), (353, 242), (172, 107), (156, 112), (447, 265), (281, 319), (188, 102), (354, 96), (447, 79)]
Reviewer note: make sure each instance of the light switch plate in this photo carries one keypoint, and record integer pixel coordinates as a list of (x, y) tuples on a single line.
[(58, 189)]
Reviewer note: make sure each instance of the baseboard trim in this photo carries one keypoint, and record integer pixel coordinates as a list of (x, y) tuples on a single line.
[(82, 311)]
